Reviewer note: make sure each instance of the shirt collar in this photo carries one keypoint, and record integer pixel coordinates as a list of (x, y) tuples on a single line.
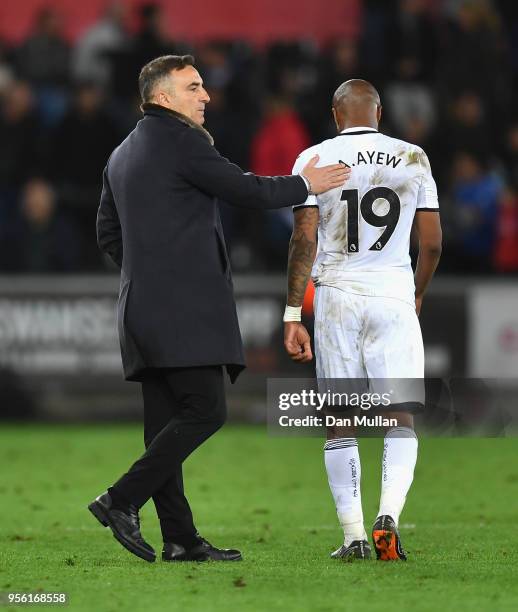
[(359, 129), (149, 108)]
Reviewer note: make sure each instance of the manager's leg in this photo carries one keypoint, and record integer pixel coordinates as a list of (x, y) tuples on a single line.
[(200, 398), (199, 409), (173, 510)]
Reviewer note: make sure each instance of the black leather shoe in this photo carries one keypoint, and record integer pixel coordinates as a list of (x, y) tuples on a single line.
[(203, 551), (125, 526)]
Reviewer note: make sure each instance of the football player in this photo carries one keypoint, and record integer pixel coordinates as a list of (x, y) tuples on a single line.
[(355, 242)]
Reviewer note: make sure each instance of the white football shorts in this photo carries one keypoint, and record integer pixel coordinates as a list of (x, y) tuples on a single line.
[(368, 337)]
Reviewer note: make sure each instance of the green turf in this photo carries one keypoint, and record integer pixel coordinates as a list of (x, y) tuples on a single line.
[(268, 496)]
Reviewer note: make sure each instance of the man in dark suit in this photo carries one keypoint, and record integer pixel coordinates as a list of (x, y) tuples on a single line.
[(158, 220)]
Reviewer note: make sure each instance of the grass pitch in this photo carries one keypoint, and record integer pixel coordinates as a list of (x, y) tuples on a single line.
[(269, 497)]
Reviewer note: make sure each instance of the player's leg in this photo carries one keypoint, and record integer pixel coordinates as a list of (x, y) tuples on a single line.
[(343, 467), (393, 349), (337, 333), (399, 459)]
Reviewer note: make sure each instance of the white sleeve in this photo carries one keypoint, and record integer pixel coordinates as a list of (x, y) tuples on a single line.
[(300, 162), (427, 196)]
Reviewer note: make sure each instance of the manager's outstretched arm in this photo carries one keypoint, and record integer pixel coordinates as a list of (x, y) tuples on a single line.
[(301, 254), (203, 167)]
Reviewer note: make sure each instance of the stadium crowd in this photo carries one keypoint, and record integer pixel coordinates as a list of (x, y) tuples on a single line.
[(447, 72)]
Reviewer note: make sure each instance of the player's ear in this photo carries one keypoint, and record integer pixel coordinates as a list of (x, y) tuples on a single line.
[(335, 118), (378, 113)]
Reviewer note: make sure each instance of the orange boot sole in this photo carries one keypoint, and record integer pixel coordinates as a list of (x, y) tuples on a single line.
[(385, 543)]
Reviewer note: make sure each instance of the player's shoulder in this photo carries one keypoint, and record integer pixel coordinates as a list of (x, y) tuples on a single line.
[(408, 151), (398, 143), (306, 155)]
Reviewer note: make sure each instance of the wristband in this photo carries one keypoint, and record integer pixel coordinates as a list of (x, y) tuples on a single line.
[(292, 314)]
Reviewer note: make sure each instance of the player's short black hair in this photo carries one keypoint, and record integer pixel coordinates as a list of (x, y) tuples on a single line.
[(157, 69)]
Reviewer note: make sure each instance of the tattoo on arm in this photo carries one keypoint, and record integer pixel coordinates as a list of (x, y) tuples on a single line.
[(301, 254)]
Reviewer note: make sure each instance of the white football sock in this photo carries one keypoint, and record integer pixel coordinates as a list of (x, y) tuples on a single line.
[(344, 473), (399, 458)]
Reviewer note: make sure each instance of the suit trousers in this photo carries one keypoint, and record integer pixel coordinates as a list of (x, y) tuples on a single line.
[(182, 408)]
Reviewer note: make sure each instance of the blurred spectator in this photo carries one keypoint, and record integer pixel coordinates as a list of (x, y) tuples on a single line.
[(246, 89), (230, 105), (409, 101), (227, 107), (410, 51), (510, 153), (232, 143), (411, 46), (473, 54), (476, 194), (152, 39), (19, 137), (289, 68), (374, 34), (82, 143), (44, 60), (94, 52), (290, 71), (6, 68), (509, 17), (280, 139), (40, 239), (418, 132), (214, 62), (337, 64), (465, 128), (506, 251)]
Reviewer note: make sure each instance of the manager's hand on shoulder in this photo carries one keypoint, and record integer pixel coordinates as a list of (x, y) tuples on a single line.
[(325, 178)]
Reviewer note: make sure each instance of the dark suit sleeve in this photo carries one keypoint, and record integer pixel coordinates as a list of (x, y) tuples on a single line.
[(202, 166), (109, 233)]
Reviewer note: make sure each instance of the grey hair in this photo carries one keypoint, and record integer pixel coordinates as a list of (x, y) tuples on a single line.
[(158, 69)]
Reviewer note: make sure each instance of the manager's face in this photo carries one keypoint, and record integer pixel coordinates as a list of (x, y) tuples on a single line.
[(187, 95)]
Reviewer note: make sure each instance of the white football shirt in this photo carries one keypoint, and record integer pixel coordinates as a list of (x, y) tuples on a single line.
[(364, 228)]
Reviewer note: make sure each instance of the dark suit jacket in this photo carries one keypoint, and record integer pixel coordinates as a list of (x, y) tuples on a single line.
[(159, 221)]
